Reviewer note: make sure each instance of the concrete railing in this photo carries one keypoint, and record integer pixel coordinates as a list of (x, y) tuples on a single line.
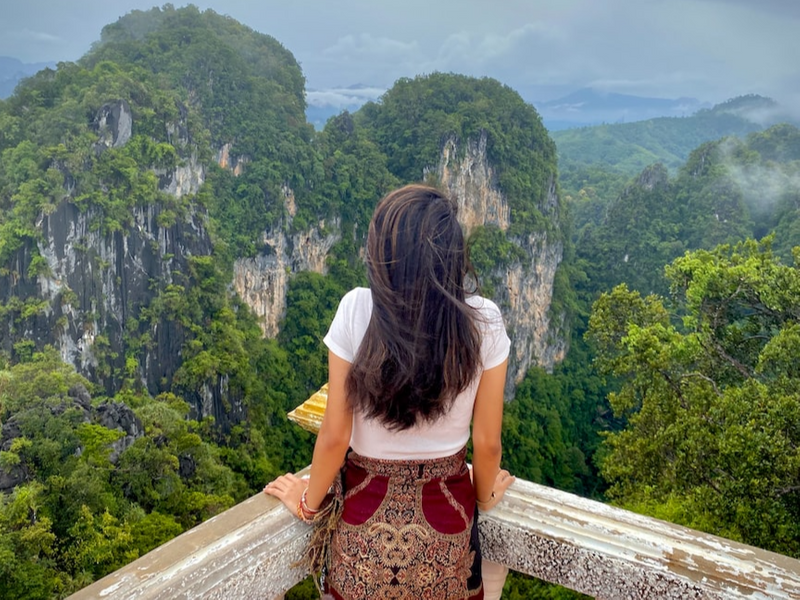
[(605, 552)]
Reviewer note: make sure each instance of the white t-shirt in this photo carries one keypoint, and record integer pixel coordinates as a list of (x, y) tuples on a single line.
[(443, 437)]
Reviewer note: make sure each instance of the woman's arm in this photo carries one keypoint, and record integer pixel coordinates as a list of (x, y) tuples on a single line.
[(487, 421), (331, 446)]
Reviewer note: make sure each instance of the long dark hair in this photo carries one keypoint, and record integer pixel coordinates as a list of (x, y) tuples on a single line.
[(422, 345)]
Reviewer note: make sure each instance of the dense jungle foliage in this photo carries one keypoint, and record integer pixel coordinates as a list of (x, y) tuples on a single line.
[(727, 190), (703, 365), (710, 390)]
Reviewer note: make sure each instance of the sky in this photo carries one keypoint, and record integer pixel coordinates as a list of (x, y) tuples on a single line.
[(707, 49)]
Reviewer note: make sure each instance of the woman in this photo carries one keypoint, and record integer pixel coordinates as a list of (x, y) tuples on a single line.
[(412, 360)]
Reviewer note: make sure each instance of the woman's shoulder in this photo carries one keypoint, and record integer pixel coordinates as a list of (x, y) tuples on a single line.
[(358, 295), (485, 306), (495, 341), (356, 301)]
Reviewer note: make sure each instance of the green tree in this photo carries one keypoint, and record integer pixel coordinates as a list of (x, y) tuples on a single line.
[(711, 398), (27, 545)]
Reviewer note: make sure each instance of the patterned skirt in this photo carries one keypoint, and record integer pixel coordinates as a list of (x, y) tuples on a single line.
[(408, 531)]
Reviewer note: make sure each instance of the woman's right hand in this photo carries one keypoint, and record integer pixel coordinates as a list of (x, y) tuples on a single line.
[(501, 483), (288, 489)]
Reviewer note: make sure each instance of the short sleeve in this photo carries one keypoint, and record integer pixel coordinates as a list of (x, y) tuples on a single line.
[(339, 338), (496, 344)]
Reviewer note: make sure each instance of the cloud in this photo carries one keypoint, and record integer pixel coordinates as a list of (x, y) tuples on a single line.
[(375, 49), (365, 58), (471, 51), (649, 84), (28, 35), (781, 8), (712, 49), (506, 55), (343, 97), (763, 185)]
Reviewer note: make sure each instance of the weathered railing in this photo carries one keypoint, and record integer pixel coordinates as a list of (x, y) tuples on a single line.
[(248, 552), (606, 552)]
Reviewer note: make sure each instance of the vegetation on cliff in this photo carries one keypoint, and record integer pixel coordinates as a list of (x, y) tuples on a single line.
[(416, 116)]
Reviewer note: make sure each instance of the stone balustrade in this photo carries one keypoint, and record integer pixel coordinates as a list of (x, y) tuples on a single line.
[(603, 551)]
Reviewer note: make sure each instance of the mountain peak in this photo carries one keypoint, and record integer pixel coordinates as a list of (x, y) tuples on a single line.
[(744, 102)]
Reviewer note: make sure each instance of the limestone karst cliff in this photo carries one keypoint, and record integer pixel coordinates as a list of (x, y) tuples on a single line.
[(130, 224), (526, 291), (93, 282), (465, 170), (116, 247)]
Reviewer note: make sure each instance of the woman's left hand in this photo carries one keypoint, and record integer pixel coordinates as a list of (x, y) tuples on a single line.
[(288, 489)]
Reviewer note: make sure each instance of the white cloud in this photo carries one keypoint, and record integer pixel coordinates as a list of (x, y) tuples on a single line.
[(653, 84), (343, 97), (710, 49), (39, 37), (365, 45)]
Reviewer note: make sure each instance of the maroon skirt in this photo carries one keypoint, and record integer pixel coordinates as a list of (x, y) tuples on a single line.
[(408, 530)]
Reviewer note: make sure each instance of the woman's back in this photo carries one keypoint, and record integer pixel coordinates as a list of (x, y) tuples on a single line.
[(411, 361), (427, 439)]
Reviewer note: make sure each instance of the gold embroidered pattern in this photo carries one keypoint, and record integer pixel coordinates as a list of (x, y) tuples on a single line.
[(395, 553)]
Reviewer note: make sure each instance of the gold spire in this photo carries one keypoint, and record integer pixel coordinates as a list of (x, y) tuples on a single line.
[(309, 414)]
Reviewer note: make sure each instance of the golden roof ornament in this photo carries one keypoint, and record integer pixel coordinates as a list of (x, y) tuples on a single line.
[(309, 414)]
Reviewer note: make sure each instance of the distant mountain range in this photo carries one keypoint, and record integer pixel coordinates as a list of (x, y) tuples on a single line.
[(584, 107), (630, 147), (13, 69), (594, 107)]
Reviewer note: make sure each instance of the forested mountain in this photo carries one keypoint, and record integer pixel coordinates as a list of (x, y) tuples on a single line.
[(629, 147), (726, 191), (112, 251), (175, 238), (705, 428)]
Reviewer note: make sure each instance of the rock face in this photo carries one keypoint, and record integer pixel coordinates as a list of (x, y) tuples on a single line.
[(654, 176), (472, 181), (114, 124), (96, 281), (262, 281), (465, 171), (116, 415), (528, 291), (234, 164)]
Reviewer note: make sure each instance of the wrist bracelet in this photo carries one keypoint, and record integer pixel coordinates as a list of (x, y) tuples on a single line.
[(303, 512), (304, 500)]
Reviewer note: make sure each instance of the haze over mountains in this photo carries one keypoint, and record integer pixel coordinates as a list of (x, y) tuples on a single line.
[(13, 69), (589, 106), (584, 107)]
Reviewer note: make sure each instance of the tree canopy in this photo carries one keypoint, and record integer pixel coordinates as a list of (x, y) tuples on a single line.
[(710, 394)]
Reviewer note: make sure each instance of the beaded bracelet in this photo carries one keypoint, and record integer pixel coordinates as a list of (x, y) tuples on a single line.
[(303, 512)]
